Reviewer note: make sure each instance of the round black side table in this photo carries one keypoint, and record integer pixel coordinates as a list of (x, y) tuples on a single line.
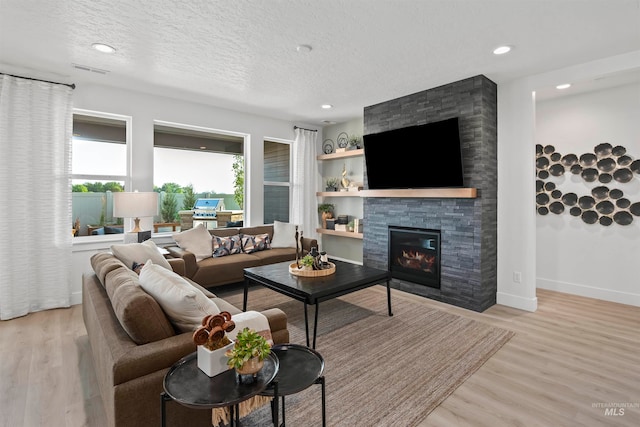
[(186, 384), (300, 367)]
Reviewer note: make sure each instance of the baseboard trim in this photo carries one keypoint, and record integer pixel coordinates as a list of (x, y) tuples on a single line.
[(589, 291), (516, 301)]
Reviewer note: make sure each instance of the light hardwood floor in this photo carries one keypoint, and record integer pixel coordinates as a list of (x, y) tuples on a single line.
[(568, 361)]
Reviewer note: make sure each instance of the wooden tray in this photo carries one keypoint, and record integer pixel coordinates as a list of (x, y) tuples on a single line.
[(293, 269)]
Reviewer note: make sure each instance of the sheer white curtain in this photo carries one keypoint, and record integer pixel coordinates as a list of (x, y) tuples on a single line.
[(304, 210), (35, 166)]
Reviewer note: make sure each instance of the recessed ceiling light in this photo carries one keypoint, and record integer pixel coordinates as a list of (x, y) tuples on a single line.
[(327, 106), (105, 48), (303, 48), (328, 122), (564, 86), (501, 50)]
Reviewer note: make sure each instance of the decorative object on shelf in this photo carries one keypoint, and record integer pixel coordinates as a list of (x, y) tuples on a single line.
[(342, 140), (331, 224), (248, 352), (604, 206), (354, 142), (326, 212), (327, 146), (345, 181), (307, 262), (213, 343), (332, 184)]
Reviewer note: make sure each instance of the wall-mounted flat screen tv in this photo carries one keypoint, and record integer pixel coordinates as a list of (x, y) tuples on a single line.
[(422, 156)]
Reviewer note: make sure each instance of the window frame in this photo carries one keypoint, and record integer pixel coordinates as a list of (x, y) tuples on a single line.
[(288, 183), (126, 179)]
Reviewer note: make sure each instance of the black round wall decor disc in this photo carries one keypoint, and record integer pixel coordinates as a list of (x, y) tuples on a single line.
[(555, 157), (605, 207), (635, 208), (543, 174), (575, 211), (590, 217), (618, 150), (606, 221), (635, 166), (624, 160), (623, 218), (549, 186), (576, 169), (570, 199), (548, 149), (542, 198), (605, 178), (615, 193), (586, 202), (542, 163), (556, 208), (538, 149), (590, 174), (542, 210), (588, 159), (556, 194), (569, 160), (556, 169), (607, 164), (603, 149), (623, 175), (600, 192), (623, 203)]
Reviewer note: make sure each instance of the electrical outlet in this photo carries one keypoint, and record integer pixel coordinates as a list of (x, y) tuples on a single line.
[(517, 277)]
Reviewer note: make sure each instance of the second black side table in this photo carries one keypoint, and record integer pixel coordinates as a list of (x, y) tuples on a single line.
[(300, 367), (188, 385)]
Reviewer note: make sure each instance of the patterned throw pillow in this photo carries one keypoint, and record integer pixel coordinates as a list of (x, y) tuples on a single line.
[(256, 243), (223, 246)]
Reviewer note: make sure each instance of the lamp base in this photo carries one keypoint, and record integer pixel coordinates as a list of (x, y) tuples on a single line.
[(136, 227), (137, 237)]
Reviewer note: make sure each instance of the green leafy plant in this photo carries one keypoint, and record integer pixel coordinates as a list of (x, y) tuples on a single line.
[(332, 182), (307, 261), (238, 180), (325, 207), (354, 141), (248, 344)]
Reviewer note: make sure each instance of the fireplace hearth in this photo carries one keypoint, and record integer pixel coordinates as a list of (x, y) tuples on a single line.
[(414, 255)]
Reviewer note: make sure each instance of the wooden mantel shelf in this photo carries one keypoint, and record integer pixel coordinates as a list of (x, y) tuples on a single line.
[(435, 193)]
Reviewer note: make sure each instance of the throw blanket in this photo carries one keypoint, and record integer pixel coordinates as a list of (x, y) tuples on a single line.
[(259, 323)]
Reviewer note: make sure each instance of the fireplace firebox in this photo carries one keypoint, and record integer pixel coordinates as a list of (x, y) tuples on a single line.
[(414, 255)]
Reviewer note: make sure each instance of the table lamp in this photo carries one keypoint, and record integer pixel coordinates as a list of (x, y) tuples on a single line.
[(135, 205)]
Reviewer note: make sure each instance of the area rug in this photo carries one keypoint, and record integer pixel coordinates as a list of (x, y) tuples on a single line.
[(379, 370)]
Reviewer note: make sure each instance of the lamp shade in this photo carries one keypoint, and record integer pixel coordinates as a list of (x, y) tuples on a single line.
[(135, 205)]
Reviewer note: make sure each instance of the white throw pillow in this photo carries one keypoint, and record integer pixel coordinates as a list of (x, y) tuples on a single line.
[(129, 253), (284, 235), (196, 240), (184, 304)]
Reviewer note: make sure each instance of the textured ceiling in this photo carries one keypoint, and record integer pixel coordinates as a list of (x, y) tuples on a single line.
[(242, 54)]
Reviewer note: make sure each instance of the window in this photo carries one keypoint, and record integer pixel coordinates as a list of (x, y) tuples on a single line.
[(98, 168), (193, 163), (277, 180)]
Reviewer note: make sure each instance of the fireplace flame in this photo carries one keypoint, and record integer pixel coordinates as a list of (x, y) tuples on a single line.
[(417, 260)]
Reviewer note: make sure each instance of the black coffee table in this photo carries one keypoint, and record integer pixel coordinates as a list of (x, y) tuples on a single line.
[(313, 290), (188, 385), (300, 367)]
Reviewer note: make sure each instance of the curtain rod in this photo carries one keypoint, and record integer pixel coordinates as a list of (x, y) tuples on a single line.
[(310, 130), (72, 85)]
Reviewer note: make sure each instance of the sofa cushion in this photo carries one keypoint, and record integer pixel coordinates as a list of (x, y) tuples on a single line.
[(184, 304), (104, 262), (223, 246), (139, 253), (259, 242), (284, 235), (139, 314), (226, 269), (196, 240)]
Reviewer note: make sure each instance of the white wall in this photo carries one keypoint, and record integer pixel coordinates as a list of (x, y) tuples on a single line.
[(144, 109), (572, 256), (516, 173)]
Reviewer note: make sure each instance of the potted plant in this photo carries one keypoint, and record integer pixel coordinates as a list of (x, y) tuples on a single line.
[(332, 184), (248, 353), (354, 142), (213, 343), (326, 212), (307, 262)]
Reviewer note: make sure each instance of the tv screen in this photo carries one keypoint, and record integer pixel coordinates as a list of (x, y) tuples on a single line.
[(423, 156)]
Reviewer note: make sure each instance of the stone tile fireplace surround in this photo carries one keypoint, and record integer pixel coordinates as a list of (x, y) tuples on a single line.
[(468, 227)]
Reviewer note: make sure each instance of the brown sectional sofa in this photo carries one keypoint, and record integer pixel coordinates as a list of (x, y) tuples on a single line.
[(133, 344), (212, 271)]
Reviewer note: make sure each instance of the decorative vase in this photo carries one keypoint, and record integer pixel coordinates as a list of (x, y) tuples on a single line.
[(325, 217), (213, 362), (251, 366)]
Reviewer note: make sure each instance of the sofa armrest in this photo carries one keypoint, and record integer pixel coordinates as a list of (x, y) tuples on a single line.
[(177, 265), (141, 360), (190, 265)]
